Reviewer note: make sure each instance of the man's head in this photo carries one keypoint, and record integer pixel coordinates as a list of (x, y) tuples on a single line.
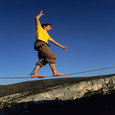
[(47, 26)]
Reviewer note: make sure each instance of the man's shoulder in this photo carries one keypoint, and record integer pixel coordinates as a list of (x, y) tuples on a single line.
[(38, 26)]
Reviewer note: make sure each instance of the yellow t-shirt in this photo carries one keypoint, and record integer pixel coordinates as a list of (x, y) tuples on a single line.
[(42, 34)]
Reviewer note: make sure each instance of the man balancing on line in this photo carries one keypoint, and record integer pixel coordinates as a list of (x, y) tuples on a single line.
[(41, 45)]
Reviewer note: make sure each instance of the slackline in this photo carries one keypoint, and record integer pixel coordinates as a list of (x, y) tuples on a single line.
[(56, 76)]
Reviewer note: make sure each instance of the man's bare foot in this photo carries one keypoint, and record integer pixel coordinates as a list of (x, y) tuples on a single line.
[(58, 74), (37, 76)]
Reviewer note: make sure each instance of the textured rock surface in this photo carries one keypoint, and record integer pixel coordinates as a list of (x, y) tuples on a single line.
[(56, 89), (93, 105)]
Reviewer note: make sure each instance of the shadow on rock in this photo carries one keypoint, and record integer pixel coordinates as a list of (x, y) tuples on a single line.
[(94, 105)]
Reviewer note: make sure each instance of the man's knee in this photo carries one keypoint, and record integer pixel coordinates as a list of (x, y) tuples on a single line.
[(51, 59), (41, 62)]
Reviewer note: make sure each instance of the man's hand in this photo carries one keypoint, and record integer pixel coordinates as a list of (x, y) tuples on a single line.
[(41, 12), (39, 15), (65, 48)]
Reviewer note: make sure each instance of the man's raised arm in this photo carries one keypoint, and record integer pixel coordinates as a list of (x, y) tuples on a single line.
[(38, 17)]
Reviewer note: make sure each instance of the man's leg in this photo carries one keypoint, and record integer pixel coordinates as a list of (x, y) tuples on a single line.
[(35, 73), (55, 73), (50, 57), (39, 64)]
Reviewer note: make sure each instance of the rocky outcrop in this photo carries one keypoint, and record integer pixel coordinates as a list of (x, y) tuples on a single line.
[(61, 89)]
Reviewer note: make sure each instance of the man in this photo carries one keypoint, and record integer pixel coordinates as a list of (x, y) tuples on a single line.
[(41, 45)]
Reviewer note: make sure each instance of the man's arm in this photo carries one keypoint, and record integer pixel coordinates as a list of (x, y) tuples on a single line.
[(38, 17), (53, 41)]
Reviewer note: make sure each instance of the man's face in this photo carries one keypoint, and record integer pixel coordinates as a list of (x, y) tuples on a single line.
[(48, 27)]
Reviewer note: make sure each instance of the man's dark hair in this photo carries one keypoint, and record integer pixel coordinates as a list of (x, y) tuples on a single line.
[(45, 25)]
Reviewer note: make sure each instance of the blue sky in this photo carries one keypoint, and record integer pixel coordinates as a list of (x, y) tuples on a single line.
[(86, 27)]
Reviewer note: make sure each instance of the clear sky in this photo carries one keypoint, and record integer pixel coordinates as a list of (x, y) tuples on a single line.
[(86, 27)]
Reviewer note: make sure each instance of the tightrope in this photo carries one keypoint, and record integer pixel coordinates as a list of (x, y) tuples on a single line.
[(54, 76)]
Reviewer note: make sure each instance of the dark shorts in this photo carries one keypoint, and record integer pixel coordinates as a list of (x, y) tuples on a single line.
[(44, 54)]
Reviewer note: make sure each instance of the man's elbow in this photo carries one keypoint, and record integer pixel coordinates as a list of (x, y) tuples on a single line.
[(53, 41), (36, 18)]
